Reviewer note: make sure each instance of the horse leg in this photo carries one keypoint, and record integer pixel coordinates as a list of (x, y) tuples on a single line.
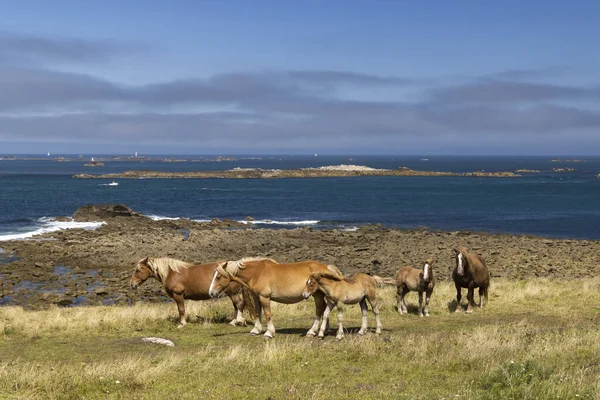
[(364, 310), (458, 297), (266, 305), (485, 296), (238, 307), (340, 317), (399, 299), (375, 307), (320, 307), (405, 290), (421, 293), (181, 308), (427, 297), (470, 298), (328, 309), (480, 296), (258, 323)]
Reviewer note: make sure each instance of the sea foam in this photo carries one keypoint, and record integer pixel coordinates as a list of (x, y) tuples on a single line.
[(50, 225)]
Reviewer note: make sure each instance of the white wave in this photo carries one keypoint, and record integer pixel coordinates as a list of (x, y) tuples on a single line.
[(272, 222), (352, 229), (159, 218), (50, 225), (201, 220)]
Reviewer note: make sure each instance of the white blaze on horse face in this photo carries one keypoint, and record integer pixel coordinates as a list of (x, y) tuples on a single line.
[(212, 284), (460, 264), (426, 271)]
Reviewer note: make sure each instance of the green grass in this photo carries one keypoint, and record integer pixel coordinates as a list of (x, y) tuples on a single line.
[(536, 339)]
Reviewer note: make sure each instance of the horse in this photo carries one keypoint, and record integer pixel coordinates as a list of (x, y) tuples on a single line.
[(339, 291), (470, 272), (184, 281), (268, 280), (421, 281)]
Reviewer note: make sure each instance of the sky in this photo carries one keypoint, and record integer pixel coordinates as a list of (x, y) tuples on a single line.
[(457, 77)]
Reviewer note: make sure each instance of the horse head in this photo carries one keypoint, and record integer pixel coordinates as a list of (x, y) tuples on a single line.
[(461, 259), (311, 286), (220, 281), (141, 272), (427, 270)]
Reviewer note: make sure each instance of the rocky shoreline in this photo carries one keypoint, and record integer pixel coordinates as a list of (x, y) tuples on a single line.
[(321, 172), (80, 267)]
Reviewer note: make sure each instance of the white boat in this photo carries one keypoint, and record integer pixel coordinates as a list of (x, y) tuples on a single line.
[(113, 183)]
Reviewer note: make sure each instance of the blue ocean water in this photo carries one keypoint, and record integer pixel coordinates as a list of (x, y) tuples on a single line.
[(551, 204)]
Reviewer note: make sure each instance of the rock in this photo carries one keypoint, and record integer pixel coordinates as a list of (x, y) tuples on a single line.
[(249, 218), (101, 292), (101, 212)]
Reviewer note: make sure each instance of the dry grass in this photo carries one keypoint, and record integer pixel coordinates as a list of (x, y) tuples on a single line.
[(537, 339)]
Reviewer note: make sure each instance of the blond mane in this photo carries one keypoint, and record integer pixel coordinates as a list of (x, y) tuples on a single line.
[(233, 267), (162, 266)]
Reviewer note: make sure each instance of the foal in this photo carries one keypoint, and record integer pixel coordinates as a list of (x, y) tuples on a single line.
[(339, 291), (421, 281)]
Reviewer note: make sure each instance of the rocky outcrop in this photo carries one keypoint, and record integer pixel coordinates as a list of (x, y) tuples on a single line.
[(94, 164), (563, 170), (528, 171), (102, 212), (320, 172)]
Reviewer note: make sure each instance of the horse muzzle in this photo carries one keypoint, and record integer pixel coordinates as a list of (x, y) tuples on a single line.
[(306, 295), (134, 285), (213, 293)]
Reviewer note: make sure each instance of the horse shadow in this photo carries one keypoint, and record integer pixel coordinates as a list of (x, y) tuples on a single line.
[(452, 306)]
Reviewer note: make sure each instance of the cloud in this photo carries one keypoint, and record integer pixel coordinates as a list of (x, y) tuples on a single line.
[(495, 91), (18, 48), (290, 110)]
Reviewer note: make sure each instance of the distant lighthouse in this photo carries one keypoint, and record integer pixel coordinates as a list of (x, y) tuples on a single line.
[(136, 154)]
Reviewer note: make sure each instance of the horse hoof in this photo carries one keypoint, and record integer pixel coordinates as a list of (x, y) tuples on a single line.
[(233, 322), (427, 315), (311, 334), (378, 331), (469, 311), (361, 332), (458, 310), (180, 326), (339, 337), (255, 332), (420, 315), (268, 335)]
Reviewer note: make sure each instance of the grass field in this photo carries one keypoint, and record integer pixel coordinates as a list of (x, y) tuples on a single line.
[(537, 339)]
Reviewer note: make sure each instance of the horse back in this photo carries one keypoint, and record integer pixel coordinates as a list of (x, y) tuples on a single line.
[(195, 281)]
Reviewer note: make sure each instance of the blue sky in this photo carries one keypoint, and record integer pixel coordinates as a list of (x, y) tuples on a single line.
[(349, 77)]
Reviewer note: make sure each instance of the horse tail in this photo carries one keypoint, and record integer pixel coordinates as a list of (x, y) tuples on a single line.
[(381, 281), (249, 301)]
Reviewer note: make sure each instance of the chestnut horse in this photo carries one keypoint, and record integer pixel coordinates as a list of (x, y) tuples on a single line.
[(183, 281), (339, 291), (268, 280), (470, 272), (421, 281)]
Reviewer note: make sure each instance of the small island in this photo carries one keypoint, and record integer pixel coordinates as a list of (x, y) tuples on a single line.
[(319, 172)]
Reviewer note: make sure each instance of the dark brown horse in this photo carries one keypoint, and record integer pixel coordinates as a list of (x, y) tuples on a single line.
[(470, 272), (421, 281), (268, 280), (184, 281)]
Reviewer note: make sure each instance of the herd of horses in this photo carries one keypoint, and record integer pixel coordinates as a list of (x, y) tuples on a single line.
[(253, 282)]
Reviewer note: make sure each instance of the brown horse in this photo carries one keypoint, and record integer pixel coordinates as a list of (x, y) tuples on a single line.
[(421, 281), (183, 281), (268, 280), (470, 272), (339, 291)]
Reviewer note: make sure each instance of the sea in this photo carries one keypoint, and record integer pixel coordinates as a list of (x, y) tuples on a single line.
[(33, 192)]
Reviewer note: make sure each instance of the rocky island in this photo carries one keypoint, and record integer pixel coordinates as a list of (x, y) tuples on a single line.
[(319, 172)]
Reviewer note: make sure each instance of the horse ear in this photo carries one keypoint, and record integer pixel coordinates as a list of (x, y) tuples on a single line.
[(143, 261), (429, 261), (221, 268)]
